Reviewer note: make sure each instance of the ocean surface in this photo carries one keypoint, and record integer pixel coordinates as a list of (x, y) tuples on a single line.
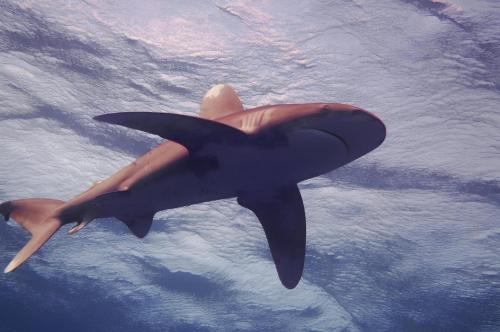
[(406, 238)]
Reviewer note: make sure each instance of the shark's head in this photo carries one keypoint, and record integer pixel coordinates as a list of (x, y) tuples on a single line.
[(359, 130)]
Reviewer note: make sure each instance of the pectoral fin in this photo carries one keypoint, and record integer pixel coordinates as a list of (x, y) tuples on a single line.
[(192, 132), (281, 213)]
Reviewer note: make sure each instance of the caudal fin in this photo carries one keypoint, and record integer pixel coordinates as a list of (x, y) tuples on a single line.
[(37, 217)]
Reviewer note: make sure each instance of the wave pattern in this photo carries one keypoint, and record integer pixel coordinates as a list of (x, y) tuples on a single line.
[(406, 238)]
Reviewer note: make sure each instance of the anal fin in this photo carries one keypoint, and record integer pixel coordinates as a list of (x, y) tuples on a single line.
[(138, 225)]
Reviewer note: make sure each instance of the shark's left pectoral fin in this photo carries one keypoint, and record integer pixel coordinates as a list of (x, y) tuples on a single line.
[(281, 213), (192, 132)]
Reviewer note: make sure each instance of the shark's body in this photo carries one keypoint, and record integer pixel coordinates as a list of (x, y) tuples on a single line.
[(258, 155)]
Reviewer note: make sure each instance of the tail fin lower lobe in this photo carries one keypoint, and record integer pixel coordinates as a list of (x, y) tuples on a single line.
[(37, 216)]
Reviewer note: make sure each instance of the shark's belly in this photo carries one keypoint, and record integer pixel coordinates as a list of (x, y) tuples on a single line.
[(309, 153), (185, 184), (306, 154)]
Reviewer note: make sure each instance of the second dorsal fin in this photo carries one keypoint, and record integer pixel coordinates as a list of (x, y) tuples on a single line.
[(219, 101)]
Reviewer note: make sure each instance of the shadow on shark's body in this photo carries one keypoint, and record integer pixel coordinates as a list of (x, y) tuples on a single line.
[(258, 155)]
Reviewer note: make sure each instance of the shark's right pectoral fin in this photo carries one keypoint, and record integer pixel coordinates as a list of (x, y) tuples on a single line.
[(281, 213), (192, 132)]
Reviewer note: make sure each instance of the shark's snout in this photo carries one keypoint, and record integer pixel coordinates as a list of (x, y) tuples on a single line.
[(376, 129), (361, 131)]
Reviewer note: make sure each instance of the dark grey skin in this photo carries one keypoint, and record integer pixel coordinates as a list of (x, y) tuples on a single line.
[(258, 155)]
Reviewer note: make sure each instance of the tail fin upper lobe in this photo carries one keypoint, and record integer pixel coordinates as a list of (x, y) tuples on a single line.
[(37, 216)]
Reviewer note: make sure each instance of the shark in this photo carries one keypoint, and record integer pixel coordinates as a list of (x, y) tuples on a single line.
[(257, 156)]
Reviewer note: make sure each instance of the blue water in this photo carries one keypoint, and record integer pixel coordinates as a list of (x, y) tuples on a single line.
[(407, 238)]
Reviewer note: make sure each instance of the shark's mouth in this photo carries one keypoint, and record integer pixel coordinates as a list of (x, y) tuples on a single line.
[(340, 138)]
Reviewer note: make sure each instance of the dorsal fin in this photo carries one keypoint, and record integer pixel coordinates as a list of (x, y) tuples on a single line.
[(220, 101)]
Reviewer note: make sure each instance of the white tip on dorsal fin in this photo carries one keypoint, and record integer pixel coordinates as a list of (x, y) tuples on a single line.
[(220, 101)]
